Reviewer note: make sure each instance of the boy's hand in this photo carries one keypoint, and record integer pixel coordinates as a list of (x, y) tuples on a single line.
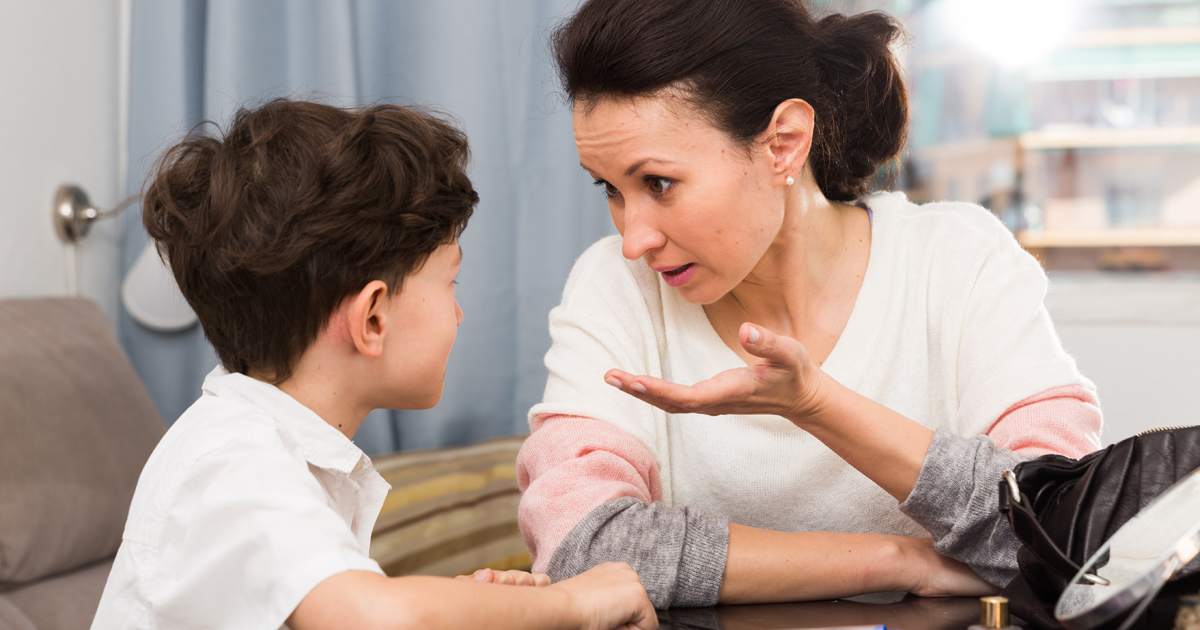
[(511, 578), (610, 596)]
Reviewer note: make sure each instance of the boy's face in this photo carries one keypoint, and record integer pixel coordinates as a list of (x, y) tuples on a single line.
[(424, 319)]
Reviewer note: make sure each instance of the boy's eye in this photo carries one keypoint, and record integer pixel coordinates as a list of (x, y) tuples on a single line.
[(658, 185), (610, 191)]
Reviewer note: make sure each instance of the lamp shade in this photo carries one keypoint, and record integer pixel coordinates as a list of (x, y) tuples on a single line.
[(152, 297)]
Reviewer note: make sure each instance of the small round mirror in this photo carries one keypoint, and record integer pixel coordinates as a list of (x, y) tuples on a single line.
[(1127, 572)]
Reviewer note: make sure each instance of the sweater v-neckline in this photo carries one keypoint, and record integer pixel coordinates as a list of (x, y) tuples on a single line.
[(847, 361)]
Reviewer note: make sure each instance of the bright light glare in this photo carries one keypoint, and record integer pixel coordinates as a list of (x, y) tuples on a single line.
[(1012, 32)]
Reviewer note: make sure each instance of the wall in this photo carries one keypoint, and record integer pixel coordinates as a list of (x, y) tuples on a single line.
[(58, 124), (1138, 338)]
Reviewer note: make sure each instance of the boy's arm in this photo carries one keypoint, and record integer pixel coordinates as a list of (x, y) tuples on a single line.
[(609, 596)]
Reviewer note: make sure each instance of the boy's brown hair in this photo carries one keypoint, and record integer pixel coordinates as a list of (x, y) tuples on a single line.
[(296, 207)]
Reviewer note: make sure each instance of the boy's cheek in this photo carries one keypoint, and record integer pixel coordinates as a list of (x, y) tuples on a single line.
[(435, 396)]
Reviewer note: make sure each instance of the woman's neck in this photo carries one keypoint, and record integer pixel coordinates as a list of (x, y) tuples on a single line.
[(806, 284)]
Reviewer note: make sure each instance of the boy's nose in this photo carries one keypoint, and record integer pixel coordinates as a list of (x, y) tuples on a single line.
[(458, 313)]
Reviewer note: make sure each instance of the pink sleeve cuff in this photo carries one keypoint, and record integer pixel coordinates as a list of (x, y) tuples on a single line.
[(1064, 420), (568, 467)]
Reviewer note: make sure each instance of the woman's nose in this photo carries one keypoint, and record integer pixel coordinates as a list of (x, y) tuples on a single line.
[(639, 235)]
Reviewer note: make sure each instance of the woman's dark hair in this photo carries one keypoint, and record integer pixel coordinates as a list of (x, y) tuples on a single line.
[(737, 60), (295, 207)]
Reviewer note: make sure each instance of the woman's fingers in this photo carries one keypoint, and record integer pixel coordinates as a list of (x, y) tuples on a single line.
[(782, 382), (764, 344), (510, 578), (482, 575), (669, 397), (708, 396)]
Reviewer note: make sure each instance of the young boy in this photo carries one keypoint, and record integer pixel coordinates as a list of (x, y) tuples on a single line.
[(318, 247)]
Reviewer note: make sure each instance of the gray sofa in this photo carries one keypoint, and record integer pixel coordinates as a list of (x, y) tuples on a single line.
[(76, 427)]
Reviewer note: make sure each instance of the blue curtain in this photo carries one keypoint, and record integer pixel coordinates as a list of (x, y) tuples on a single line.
[(484, 63)]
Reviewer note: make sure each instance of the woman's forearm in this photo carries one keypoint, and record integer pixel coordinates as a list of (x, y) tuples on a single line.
[(771, 566), (882, 444)]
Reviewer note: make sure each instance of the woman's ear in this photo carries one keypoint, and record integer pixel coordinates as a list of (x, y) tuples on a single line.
[(366, 318), (788, 138)]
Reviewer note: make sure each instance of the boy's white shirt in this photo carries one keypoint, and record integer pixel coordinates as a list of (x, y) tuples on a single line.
[(249, 501)]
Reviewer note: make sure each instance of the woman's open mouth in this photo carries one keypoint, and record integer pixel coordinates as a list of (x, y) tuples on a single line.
[(679, 276)]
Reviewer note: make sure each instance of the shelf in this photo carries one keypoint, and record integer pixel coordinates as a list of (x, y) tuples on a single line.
[(1116, 237), (1135, 36), (1099, 138)]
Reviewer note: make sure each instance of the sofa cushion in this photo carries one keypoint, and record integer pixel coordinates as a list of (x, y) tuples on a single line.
[(63, 602), (450, 511), (78, 426), (11, 617)]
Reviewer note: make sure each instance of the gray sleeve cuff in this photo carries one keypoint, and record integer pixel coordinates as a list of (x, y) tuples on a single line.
[(956, 500), (679, 553)]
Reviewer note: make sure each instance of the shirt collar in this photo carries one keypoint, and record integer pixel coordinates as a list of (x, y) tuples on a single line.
[(320, 444)]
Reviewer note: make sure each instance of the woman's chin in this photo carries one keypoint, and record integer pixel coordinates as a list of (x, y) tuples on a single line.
[(698, 294)]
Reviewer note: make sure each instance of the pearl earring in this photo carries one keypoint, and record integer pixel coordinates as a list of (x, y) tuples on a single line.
[(790, 180)]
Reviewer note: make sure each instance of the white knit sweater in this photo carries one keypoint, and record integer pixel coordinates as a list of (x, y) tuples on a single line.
[(948, 329)]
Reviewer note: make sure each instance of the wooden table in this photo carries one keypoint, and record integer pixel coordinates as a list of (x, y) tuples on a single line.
[(909, 613)]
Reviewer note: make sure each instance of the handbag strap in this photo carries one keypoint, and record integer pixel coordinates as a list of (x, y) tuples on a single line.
[(1025, 525)]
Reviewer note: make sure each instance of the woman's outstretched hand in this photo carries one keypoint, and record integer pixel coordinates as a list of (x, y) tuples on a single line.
[(784, 382), (883, 445)]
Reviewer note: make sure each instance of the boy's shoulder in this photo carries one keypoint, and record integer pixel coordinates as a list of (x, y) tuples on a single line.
[(215, 440), (216, 424), (233, 485)]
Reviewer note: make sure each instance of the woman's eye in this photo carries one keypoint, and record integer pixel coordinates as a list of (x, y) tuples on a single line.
[(658, 185), (610, 191)]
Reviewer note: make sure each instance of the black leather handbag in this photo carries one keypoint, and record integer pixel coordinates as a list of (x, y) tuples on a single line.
[(1063, 510)]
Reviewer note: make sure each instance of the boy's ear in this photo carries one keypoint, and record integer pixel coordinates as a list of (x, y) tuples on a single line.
[(366, 318)]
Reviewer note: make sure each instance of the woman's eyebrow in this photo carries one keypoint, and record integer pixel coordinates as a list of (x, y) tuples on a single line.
[(632, 169), (640, 163)]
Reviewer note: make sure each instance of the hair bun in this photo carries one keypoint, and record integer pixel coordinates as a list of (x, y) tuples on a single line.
[(867, 124)]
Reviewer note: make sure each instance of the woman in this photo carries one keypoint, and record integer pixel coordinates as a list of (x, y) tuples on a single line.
[(862, 346)]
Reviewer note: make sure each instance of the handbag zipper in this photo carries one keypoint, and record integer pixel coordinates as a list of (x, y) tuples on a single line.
[(1161, 429)]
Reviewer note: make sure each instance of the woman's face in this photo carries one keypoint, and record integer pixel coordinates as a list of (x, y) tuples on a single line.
[(698, 210)]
